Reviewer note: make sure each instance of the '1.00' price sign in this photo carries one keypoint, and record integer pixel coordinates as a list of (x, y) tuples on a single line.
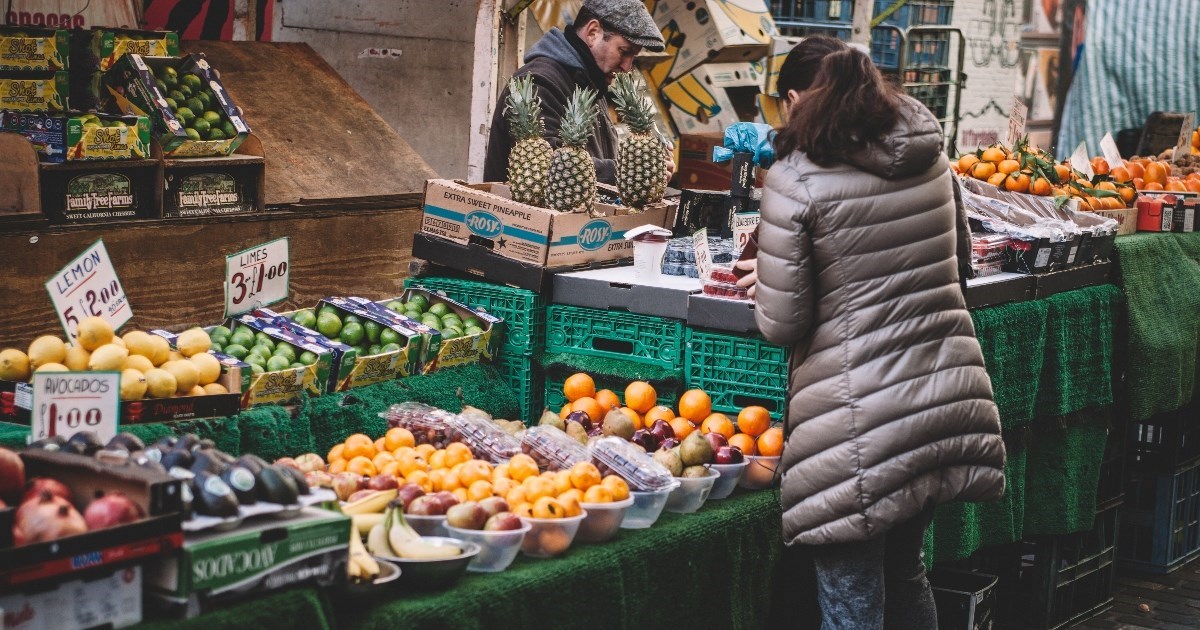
[(88, 287), (65, 403), (256, 277)]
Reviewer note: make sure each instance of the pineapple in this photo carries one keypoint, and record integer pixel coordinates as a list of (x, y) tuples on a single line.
[(572, 183), (641, 163), (529, 159)]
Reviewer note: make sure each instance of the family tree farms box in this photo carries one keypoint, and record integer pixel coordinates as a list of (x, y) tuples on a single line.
[(75, 192), (485, 215), (224, 184), (81, 137)]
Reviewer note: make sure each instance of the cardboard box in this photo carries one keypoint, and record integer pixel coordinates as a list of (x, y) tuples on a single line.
[(1000, 288), (617, 289), (1047, 284), (776, 54), (110, 44), (81, 138), (384, 366), (39, 92), (717, 313), (1155, 213), (31, 49), (16, 402), (710, 98), (480, 347), (156, 493), (132, 88), (713, 31), (111, 599), (480, 261), (770, 111), (81, 192), (232, 184), (1126, 219), (214, 567), (289, 386), (1183, 219), (486, 215)]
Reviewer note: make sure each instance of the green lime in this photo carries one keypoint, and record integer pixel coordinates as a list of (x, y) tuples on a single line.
[(261, 351), (113, 123), (169, 73), (351, 334), (215, 133), (192, 134), (296, 366), (472, 330), (200, 125), (255, 359), (285, 349), (431, 321), (372, 329), (263, 339), (307, 358), (439, 309), (242, 338), (391, 347), (305, 318), (161, 85), (191, 80), (176, 96), (362, 349), (413, 315), (212, 117), (185, 115), (329, 309), (185, 90), (275, 364), (196, 105), (395, 305), (420, 298), (351, 318), (329, 324), (471, 320), (388, 336), (256, 369), (220, 331), (373, 350), (229, 129), (205, 97), (216, 346), (450, 333)]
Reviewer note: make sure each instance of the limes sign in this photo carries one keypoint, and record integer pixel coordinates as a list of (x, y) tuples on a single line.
[(65, 403), (256, 277), (88, 287)]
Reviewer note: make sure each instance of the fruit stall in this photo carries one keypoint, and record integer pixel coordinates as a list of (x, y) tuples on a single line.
[(561, 410)]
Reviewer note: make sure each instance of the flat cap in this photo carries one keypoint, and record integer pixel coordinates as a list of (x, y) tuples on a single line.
[(629, 18)]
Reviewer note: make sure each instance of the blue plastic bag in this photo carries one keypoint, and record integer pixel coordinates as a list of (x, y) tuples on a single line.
[(744, 137)]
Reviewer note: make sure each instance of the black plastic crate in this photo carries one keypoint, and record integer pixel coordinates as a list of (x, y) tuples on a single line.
[(935, 97), (1110, 491), (965, 600), (1167, 442), (1161, 528)]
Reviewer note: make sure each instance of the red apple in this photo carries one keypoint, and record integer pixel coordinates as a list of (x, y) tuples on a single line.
[(383, 482), (468, 515), (346, 484), (289, 462), (716, 440), (447, 498), (426, 505), (662, 430), (494, 505), (319, 479), (728, 455), (310, 462), (111, 510), (406, 493), (503, 521)]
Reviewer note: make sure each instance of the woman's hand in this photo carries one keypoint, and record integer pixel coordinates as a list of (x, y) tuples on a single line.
[(749, 280)]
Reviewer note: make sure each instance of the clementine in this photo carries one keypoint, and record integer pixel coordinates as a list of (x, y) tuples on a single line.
[(983, 170), (522, 467), (598, 494), (745, 442), (578, 386), (640, 396), (695, 405), (1135, 169), (336, 466), (397, 437), (682, 427), (1120, 174), (993, 154), (1017, 182), (770, 443), (358, 445), (584, 475), (524, 510), (1100, 166), (565, 411), (1156, 173), (966, 162), (588, 405), (460, 494), (658, 413), (381, 444), (1040, 186), (1008, 166), (607, 399), (718, 423), (635, 416), (335, 453), (616, 486), (361, 465), (421, 478), (479, 490), (997, 179), (571, 505)]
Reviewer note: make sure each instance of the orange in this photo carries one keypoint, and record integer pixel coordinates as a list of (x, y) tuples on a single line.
[(1175, 184), (358, 445), (402, 450), (336, 466), (695, 405), (475, 470), (437, 477), (522, 467), (548, 507), (616, 486), (578, 386), (1064, 173), (1138, 183), (745, 442), (479, 490), (1193, 185), (983, 170), (1128, 193), (523, 509), (335, 453), (381, 445), (584, 475), (1156, 173), (500, 472), (421, 478), (1008, 166), (966, 162), (565, 411), (571, 505), (717, 423), (1120, 174), (361, 466), (460, 494), (658, 413), (1106, 186), (515, 496), (502, 486), (682, 427), (562, 481), (425, 450), (635, 416), (538, 487), (997, 179), (993, 154), (1100, 166), (770, 443), (573, 493), (397, 437), (382, 459), (1153, 186), (457, 453), (1017, 182), (451, 481), (1135, 170), (640, 396), (410, 462), (598, 494), (753, 420), (588, 405), (391, 469), (1040, 186), (438, 460), (607, 399)]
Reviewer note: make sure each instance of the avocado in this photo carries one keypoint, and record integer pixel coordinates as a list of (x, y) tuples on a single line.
[(167, 442), (188, 441), (207, 461), (214, 497), (297, 477), (83, 443), (242, 482), (275, 486), (177, 457), (50, 444), (125, 441), (252, 462)]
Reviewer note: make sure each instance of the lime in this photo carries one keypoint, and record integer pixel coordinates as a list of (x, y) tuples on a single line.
[(192, 134), (307, 358), (205, 97), (351, 318), (413, 305), (452, 320), (305, 318), (329, 325), (200, 125), (395, 305), (261, 351), (191, 80), (185, 90), (387, 336), (391, 347), (236, 350), (431, 321), (229, 129), (256, 369), (169, 73), (450, 333), (255, 359), (242, 338), (439, 309), (274, 364), (473, 330), (220, 331), (176, 95), (351, 334), (419, 298), (285, 349), (263, 339), (372, 329), (373, 350), (216, 346), (296, 366), (471, 320), (162, 86), (212, 117), (185, 115), (413, 315), (328, 309), (363, 350), (215, 133), (196, 105)]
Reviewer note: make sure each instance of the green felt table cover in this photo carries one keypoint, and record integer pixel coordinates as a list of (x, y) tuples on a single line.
[(299, 607), (1161, 277)]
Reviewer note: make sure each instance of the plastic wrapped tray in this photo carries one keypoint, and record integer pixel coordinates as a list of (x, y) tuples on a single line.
[(552, 448), (986, 247), (725, 290), (485, 438), (429, 425), (989, 268), (623, 458)]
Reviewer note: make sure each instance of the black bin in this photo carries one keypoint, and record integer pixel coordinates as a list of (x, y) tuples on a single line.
[(965, 599)]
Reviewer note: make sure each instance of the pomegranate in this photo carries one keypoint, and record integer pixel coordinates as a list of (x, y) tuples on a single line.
[(110, 510), (47, 517), (12, 475), (38, 485)]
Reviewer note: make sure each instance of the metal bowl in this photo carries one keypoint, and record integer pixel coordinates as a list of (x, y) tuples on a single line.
[(389, 573), (435, 574)]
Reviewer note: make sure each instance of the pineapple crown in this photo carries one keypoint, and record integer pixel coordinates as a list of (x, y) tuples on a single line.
[(523, 109), (578, 118), (631, 103)]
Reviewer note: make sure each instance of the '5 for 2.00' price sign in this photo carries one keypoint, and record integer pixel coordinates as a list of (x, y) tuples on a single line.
[(88, 287), (256, 277), (65, 403)]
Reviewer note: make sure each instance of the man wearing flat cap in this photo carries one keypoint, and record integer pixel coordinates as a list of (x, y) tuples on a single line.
[(603, 41)]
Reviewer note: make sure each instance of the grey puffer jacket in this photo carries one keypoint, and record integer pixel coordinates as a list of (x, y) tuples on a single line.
[(890, 408)]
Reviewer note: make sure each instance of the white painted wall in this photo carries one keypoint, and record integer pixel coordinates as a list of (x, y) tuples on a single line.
[(993, 30)]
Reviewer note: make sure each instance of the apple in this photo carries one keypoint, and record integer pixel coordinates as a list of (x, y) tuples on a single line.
[(426, 505), (502, 522), (406, 493), (466, 515), (319, 479), (645, 439), (729, 455), (382, 482), (346, 484), (662, 430), (494, 505), (12, 475), (447, 498), (668, 443), (715, 440), (289, 462), (310, 462), (582, 418)]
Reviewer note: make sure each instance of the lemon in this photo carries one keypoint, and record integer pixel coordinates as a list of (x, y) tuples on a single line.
[(117, 341), (196, 391), (215, 388), (139, 363), (108, 358), (14, 365), (175, 355), (52, 367), (208, 365), (160, 383), (162, 350), (133, 384), (77, 358), (46, 349), (193, 341), (93, 332), (186, 374), (138, 342)]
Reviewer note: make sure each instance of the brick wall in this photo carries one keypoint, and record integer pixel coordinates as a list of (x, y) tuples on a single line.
[(992, 29)]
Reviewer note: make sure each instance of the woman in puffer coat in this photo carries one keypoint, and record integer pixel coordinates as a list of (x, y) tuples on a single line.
[(890, 409)]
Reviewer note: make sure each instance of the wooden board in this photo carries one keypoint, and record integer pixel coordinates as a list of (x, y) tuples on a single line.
[(322, 141), (173, 270)]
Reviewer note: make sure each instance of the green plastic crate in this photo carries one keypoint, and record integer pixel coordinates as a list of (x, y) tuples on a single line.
[(524, 376), (554, 399), (737, 371), (523, 311), (629, 336)]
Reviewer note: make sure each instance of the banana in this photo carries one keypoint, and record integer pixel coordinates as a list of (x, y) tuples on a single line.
[(364, 522), (377, 541), (370, 504), (418, 550), (358, 555), (399, 532)]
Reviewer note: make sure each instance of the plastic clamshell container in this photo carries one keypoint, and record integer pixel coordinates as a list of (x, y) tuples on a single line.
[(552, 448), (691, 493), (631, 463), (760, 473), (725, 290), (433, 525), (429, 425), (497, 548), (721, 274), (603, 520), (550, 537), (731, 474), (486, 439), (647, 507), (986, 246)]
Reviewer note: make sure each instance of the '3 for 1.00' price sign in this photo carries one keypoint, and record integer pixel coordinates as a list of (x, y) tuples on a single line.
[(256, 277)]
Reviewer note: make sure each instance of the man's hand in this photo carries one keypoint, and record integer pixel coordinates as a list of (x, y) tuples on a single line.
[(750, 280), (670, 167)]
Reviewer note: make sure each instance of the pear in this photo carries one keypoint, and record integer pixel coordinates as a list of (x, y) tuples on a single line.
[(695, 450), (618, 423), (670, 460), (695, 471), (576, 430), (549, 418)]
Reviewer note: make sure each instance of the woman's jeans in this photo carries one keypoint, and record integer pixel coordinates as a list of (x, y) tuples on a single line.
[(878, 583)]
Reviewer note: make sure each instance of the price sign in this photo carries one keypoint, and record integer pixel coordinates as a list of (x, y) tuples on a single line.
[(256, 277), (1112, 154), (1080, 162), (744, 224), (1016, 120), (88, 287), (65, 403), (1183, 147), (703, 254)]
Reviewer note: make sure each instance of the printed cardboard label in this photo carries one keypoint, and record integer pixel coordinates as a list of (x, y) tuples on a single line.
[(47, 94)]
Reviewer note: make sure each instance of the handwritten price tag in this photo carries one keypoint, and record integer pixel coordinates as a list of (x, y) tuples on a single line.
[(703, 254), (65, 403), (744, 224), (1016, 120), (1108, 147), (88, 287), (256, 277), (1080, 162), (1184, 146)]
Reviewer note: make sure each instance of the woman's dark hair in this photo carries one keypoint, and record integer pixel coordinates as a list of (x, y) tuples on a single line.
[(847, 106), (801, 65)]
